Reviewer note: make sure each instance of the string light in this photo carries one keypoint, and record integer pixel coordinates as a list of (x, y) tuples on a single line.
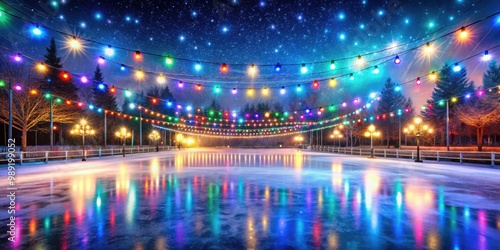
[(299, 88), (65, 75), (376, 70), (138, 55), (252, 70), (161, 79), (282, 90), (2, 84), (332, 65), (169, 60), (433, 76), (457, 67), (418, 82), (139, 74), (36, 30), (180, 84), (34, 92), (75, 44), (128, 93), (112, 90), (84, 79), (428, 48), (332, 82), (265, 91), (351, 76), (198, 87), (250, 91), (397, 60), (101, 60), (197, 66), (277, 67), (109, 51), (486, 56), (18, 57), (223, 67), (217, 89), (463, 33), (360, 60), (122, 67), (315, 84), (41, 67), (101, 86), (303, 69), (234, 91)]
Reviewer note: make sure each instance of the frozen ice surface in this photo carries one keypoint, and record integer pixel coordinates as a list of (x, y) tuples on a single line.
[(254, 198)]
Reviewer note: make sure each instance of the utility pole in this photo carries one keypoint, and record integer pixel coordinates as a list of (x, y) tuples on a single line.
[(447, 125)]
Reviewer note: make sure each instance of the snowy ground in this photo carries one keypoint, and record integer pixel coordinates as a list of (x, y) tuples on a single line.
[(253, 198)]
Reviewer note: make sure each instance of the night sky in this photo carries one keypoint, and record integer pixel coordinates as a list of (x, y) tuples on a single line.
[(241, 33)]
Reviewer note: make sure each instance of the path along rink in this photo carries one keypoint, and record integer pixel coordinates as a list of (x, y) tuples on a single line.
[(253, 198)]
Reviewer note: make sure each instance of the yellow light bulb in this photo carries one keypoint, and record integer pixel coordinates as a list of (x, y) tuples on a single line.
[(333, 82), (139, 74)]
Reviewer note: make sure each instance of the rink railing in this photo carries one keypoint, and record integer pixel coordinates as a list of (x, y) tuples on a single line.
[(492, 158), (46, 156)]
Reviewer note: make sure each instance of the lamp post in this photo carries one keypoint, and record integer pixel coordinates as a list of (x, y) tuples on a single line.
[(123, 134), (155, 136), (82, 129), (336, 134), (417, 129), (370, 133)]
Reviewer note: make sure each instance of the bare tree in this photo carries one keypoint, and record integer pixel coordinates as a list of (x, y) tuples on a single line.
[(30, 108), (479, 114)]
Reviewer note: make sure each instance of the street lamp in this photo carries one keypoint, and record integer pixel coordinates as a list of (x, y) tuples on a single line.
[(418, 129), (82, 129), (336, 134), (123, 134), (155, 136), (371, 133)]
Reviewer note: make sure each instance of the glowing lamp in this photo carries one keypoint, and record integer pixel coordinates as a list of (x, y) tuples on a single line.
[(197, 66), (84, 79), (277, 67), (138, 55), (41, 67), (128, 93), (2, 84), (397, 88), (282, 90), (454, 99), (332, 82), (217, 89), (101, 60), (101, 86), (316, 84), (250, 91), (265, 91), (112, 90), (360, 61), (376, 70), (428, 48), (74, 43), (180, 84), (18, 57), (234, 91), (139, 74), (418, 82), (433, 76), (308, 110), (252, 70), (223, 67), (457, 67), (169, 60), (397, 60), (486, 56), (109, 51), (161, 79), (198, 87), (332, 65), (36, 30), (303, 69), (18, 87), (65, 75), (122, 67), (299, 88), (351, 76), (463, 33), (33, 92)]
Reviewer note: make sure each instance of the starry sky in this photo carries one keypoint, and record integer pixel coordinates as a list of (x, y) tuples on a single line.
[(265, 32)]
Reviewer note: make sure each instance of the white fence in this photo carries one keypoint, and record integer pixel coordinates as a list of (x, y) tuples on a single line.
[(46, 156), (492, 158)]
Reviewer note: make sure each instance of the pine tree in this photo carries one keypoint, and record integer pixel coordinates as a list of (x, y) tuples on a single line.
[(491, 78), (449, 84), (102, 98), (392, 101)]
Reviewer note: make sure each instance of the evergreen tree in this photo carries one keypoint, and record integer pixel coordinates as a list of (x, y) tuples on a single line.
[(491, 78), (102, 98), (449, 84), (393, 101)]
